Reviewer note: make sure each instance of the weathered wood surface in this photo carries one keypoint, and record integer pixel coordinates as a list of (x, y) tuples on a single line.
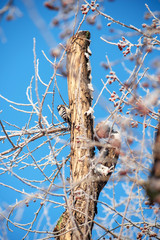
[(77, 220)]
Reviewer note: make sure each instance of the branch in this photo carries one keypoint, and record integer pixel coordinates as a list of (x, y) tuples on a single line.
[(7, 135), (38, 134)]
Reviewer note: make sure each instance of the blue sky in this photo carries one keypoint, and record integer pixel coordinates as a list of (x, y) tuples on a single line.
[(17, 69)]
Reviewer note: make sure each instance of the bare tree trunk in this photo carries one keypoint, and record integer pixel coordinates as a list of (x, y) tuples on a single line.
[(79, 102), (77, 221), (152, 186)]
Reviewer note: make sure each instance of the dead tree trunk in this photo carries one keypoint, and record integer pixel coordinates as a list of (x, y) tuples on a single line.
[(77, 220), (152, 186), (78, 69), (78, 217)]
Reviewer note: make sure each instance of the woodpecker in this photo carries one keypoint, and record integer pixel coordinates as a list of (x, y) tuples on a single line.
[(65, 113)]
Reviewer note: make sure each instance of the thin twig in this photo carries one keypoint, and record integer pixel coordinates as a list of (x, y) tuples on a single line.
[(7, 135)]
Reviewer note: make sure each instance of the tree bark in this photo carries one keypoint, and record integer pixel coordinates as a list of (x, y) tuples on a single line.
[(77, 220), (152, 185)]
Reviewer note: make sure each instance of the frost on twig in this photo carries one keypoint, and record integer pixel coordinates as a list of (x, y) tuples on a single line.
[(127, 92)]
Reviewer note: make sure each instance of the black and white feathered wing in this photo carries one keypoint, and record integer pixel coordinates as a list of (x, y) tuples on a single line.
[(65, 113)]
